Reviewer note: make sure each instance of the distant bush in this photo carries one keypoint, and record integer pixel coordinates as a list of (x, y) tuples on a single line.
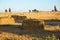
[(35, 10)]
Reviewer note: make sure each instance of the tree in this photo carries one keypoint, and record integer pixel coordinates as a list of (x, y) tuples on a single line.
[(9, 9), (55, 9), (5, 10), (29, 10), (52, 10), (35, 10)]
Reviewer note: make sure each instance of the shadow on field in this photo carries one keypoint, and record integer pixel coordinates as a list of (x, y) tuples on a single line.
[(19, 30)]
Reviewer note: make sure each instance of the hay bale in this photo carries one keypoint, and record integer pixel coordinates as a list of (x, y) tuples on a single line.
[(33, 25)]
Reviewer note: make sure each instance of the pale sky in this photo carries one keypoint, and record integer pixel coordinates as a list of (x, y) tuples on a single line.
[(25, 5)]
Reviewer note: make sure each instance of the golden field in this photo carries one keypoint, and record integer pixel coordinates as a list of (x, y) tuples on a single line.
[(5, 16), (10, 36), (34, 15)]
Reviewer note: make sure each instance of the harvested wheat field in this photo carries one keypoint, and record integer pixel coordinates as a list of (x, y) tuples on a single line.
[(30, 25)]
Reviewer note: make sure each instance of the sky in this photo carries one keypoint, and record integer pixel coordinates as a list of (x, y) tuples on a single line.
[(25, 5)]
